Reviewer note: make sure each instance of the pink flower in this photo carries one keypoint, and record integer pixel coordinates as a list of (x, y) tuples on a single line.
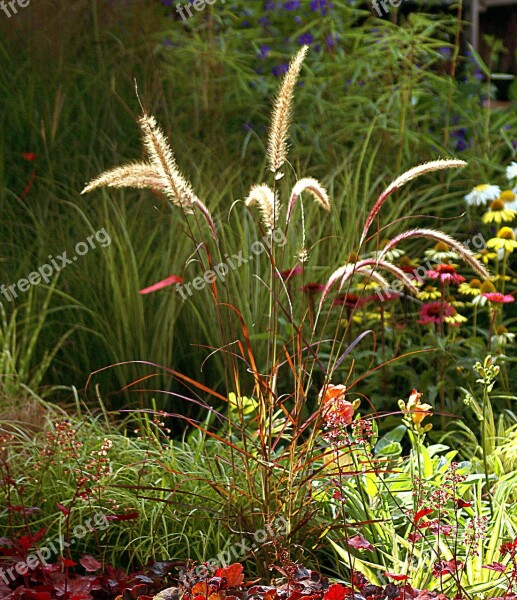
[(446, 274), (435, 313), (498, 297)]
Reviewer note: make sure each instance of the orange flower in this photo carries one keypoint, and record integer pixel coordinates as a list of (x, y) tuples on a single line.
[(417, 410), (336, 410)]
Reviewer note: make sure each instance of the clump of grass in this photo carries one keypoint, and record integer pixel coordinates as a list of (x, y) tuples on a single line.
[(274, 436)]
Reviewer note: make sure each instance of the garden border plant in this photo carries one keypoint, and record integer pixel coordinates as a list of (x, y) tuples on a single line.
[(274, 438)]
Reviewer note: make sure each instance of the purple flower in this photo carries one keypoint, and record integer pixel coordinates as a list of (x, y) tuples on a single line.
[(322, 6), (264, 51), (331, 40), (280, 69), (264, 21), (305, 39), (445, 51), (269, 6), (292, 5), (167, 2)]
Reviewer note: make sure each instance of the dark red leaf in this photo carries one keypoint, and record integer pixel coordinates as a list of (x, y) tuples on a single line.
[(130, 516), (335, 592), (63, 509), (396, 577), (66, 562), (232, 573), (90, 563), (496, 567), (360, 543), (422, 513)]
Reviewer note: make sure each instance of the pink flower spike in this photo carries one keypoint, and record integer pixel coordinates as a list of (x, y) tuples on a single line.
[(498, 297), (161, 284)]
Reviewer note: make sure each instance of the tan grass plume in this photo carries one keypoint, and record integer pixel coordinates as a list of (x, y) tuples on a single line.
[(264, 196), (281, 117), (160, 172), (314, 187)]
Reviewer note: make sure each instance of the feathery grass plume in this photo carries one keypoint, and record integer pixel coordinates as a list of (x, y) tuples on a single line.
[(264, 196), (344, 273), (177, 188), (314, 187), (439, 236), (136, 175), (281, 117), (368, 267), (161, 172), (435, 165)]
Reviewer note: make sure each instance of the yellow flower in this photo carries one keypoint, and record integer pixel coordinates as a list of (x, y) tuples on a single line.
[(508, 196), (417, 410), (498, 213), (486, 288), (470, 288), (505, 238), (429, 293), (455, 319), (441, 253), (486, 256)]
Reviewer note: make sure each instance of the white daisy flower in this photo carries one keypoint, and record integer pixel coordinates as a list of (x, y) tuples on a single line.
[(511, 171), (482, 194)]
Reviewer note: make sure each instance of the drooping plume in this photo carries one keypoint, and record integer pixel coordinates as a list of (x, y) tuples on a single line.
[(438, 236), (264, 196), (160, 172), (401, 180), (314, 187)]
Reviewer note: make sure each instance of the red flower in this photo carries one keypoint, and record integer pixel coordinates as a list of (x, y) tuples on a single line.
[(498, 297), (435, 313), (30, 156), (288, 273), (349, 300), (446, 274), (312, 288)]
